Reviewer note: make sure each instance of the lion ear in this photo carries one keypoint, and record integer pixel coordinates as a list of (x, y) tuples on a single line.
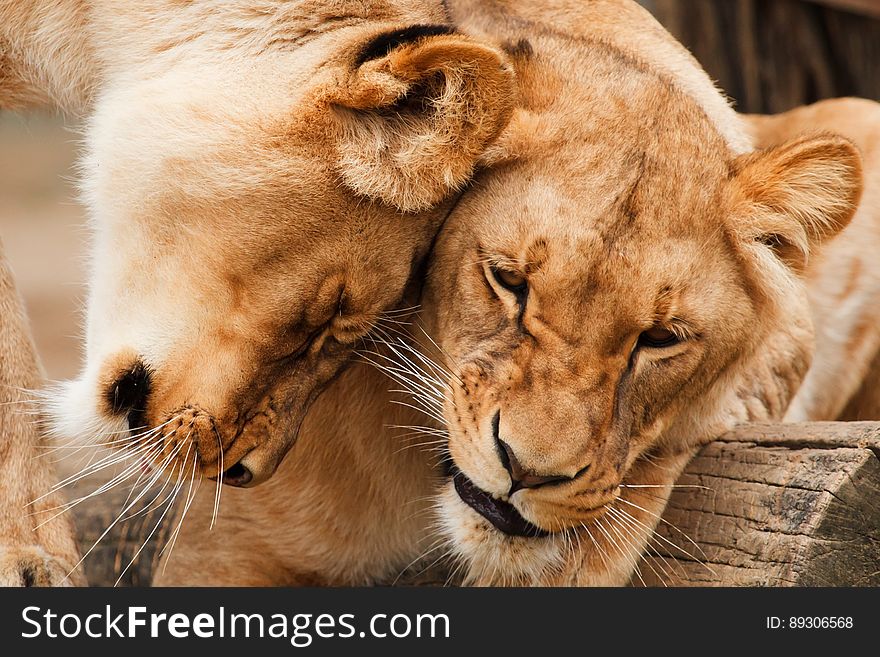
[(799, 194), (419, 107), (515, 141)]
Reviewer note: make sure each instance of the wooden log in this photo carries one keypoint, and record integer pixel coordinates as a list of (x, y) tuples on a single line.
[(776, 505), (129, 552), (765, 505)]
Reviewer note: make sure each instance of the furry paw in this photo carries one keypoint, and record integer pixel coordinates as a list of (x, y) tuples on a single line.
[(32, 566)]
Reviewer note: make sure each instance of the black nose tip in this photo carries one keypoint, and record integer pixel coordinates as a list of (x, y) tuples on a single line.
[(129, 393), (237, 476), (520, 477)]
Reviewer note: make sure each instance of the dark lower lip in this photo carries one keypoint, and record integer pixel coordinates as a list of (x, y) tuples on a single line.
[(502, 515), (236, 476)]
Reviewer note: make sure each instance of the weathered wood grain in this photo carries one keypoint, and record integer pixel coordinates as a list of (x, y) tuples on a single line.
[(766, 505), (776, 506)]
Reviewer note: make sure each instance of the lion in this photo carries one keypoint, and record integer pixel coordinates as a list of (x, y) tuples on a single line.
[(263, 182), (631, 300), (31, 553), (626, 279), (842, 283)]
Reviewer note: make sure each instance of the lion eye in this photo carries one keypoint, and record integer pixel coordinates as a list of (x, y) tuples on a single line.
[(658, 337), (510, 280)]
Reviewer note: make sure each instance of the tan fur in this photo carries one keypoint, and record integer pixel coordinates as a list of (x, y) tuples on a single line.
[(33, 552), (350, 506), (650, 216), (623, 193), (844, 281)]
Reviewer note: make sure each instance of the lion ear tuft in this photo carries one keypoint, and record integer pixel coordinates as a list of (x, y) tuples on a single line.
[(419, 107), (799, 194)]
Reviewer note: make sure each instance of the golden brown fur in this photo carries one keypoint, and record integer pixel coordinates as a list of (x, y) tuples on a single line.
[(263, 180), (32, 552), (844, 282), (623, 195), (349, 506)]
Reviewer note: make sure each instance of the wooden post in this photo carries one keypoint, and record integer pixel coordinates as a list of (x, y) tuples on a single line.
[(765, 505), (776, 505)]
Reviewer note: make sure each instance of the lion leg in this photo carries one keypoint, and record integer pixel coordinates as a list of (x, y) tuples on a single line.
[(31, 553)]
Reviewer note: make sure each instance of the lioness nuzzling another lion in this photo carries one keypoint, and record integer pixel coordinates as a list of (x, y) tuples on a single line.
[(624, 283), (263, 180)]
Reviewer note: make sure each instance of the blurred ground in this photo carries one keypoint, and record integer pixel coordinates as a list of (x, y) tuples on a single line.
[(43, 232)]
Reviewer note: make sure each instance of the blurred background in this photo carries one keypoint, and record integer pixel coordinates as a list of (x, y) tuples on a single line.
[(768, 55), (772, 55), (42, 228)]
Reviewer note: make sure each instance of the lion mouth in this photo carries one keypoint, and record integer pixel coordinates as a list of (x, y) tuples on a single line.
[(502, 515)]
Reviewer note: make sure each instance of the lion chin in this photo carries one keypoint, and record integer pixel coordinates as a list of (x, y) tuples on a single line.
[(491, 556)]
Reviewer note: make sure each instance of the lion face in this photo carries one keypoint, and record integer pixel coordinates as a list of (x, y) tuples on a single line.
[(561, 383), (252, 222), (606, 297)]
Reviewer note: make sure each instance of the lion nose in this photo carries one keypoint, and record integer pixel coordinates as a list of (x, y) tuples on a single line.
[(129, 392), (521, 477)]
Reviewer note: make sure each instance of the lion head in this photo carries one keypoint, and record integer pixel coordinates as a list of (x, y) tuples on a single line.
[(257, 204), (619, 287)]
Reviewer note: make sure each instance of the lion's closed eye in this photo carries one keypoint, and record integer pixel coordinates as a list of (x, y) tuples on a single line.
[(658, 337), (510, 280), (507, 282)]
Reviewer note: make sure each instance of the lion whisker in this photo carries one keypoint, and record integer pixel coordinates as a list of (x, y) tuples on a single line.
[(401, 370), (666, 486), (404, 344), (668, 542), (641, 527), (130, 449), (153, 477), (125, 509), (436, 545), (413, 388), (599, 549), (669, 524), (634, 533), (416, 408), (216, 510), (103, 488), (632, 560), (104, 463), (170, 499)]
